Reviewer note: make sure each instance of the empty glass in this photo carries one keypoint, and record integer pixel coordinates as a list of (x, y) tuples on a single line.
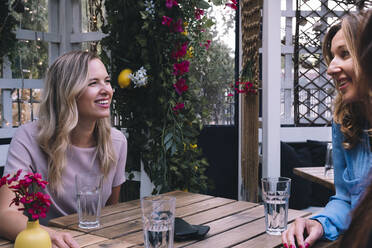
[(89, 200), (328, 165)]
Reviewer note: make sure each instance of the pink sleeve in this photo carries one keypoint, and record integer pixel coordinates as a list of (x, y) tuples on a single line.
[(19, 153), (119, 177)]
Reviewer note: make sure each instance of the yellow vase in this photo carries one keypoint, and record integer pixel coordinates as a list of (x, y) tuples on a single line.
[(33, 237)]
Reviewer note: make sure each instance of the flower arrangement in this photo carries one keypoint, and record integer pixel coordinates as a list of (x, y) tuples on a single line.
[(26, 190)]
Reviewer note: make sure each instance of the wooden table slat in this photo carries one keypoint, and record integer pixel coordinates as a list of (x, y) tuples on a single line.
[(241, 233), (87, 239)]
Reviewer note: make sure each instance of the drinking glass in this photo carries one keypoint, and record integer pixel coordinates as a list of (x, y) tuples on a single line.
[(276, 192), (158, 221), (328, 165), (89, 200)]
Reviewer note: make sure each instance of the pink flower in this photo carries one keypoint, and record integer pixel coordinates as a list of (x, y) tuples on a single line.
[(181, 68), (246, 87), (180, 86), (4, 180), (232, 5), (36, 204), (166, 21), (207, 44), (181, 52), (198, 13), (178, 107), (178, 26), (170, 3)]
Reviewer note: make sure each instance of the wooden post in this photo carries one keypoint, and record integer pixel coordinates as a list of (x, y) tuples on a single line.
[(251, 15)]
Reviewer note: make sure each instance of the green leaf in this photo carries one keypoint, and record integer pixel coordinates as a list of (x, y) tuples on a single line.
[(174, 149), (143, 15), (202, 5), (168, 145), (168, 137), (217, 2)]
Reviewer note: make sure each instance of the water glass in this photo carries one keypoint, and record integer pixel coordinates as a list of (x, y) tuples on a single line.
[(328, 165), (276, 192), (89, 200), (158, 221)]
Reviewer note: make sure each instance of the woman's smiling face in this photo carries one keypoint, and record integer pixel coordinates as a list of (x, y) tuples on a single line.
[(342, 69), (94, 102)]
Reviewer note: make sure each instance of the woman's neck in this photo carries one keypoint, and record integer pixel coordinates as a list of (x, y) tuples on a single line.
[(83, 135)]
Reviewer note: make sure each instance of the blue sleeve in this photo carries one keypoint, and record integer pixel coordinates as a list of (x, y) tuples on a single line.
[(335, 216)]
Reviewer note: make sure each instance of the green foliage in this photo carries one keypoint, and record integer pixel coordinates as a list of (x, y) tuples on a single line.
[(7, 28), (164, 139), (214, 80), (29, 59)]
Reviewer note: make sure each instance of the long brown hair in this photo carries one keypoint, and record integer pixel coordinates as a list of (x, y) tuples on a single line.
[(66, 79), (349, 115), (358, 235), (364, 51)]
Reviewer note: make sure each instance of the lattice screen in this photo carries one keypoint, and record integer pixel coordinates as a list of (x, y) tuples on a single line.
[(313, 91)]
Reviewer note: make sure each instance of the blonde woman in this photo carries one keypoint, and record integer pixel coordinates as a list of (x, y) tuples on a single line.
[(72, 136), (352, 157)]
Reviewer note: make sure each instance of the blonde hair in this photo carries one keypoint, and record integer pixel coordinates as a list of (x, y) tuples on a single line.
[(348, 115), (66, 79)]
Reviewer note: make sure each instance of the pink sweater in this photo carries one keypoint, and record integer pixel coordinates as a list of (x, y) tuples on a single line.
[(25, 151)]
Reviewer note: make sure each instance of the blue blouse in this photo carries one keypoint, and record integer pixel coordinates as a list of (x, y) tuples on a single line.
[(350, 170)]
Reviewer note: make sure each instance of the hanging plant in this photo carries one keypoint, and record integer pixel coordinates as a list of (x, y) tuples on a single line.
[(158, 41)]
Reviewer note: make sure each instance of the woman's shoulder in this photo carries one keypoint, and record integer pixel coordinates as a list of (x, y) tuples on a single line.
[(117, 136), (29, 129)]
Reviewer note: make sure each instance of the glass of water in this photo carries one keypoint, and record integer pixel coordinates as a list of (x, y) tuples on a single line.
[(328, 165), (276, 192), (89, 200), (158, 214)]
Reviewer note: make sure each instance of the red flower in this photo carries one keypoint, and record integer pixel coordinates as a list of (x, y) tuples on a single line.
[(207, 44), (4, 180), (232, 5), (181, 52), (198, 13), (170, 3), (178, 107), (166, 21), (181, 68), (178, 26), (246, 87), (35, 204), (180, 86)]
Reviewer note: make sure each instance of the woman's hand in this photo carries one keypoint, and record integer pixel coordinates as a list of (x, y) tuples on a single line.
[(296, 231), (62, 240)]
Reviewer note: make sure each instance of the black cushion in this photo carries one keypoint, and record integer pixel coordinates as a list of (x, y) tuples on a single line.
[(304, 154), (300, 188)]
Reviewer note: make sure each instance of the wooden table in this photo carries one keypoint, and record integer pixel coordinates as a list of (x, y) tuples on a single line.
[(316, 175), (232, 224)]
